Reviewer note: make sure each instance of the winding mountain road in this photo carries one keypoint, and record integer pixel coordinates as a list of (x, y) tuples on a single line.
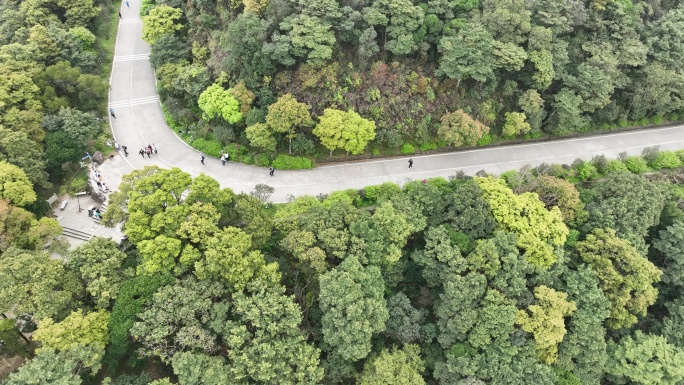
[(140, 121)]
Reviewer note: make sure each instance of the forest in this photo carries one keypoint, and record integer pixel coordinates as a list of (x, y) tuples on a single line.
[(55, 59), (327, 79), (558, 274), (553, 275)]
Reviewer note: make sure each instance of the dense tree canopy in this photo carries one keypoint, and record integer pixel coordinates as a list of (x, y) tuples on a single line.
[(444, 281), (536, 278)]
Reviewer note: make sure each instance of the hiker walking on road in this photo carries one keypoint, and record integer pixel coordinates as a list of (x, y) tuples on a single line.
[(148, 152), (116, 145), (125, 150), (127, 5), (120, 16), (142, 153), (154, 147), (271, 170), (410, 163), (111, 112), (223, 159), (202, 158)]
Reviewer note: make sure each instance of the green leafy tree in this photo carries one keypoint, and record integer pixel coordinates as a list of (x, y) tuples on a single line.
[(567, 115), (347, 130), (36, 284), (168, 48), (368, 47), (228, 258), (200, 369), (470, 313), (287, 115), (159, 254), (661, 96), (646, 359), (500, 261), (556, 192), (163, 330), (243, 43), (532, 105), (440, 259), (508, 20), (133, 296), (353, 308), (79, 126), (404, 322), (244, 96), (467, 55), (216, 101), (20, 107), (468, 212), (382, 235), (264, 342), (515, 124), (673, 323), (594, 85), (546, 321), (397, 367), (670, 249), (539, 230), (543, 64), (77, 329), (161, 20), (309, 37), (626, 277), (666, 44), (99, 262), (460, 129), (16, 148), (627, 203), (15, 186), (19, 228), (398, 20), (509, 56), (583, 350), (261, 136), (51, 367)]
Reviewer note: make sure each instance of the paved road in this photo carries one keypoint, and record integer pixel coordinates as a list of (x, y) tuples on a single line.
[(140, 121)]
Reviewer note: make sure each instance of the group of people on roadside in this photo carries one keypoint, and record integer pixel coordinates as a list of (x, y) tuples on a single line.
[(149, 150)]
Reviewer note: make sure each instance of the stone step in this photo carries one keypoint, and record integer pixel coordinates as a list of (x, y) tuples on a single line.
[(76, 234)]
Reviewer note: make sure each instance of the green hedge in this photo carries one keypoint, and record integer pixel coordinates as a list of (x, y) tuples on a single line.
[(586, 171), (211, 147), (614, 166), (666, 159), (407, 149), (287, 162), (262, 160), (485, 140), (636, 164), (237, 152)]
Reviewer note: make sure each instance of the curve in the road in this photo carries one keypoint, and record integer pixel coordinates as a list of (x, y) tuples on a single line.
[(140, 121)]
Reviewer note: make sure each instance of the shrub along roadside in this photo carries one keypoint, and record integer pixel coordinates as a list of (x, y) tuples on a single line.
[(287, 162)]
